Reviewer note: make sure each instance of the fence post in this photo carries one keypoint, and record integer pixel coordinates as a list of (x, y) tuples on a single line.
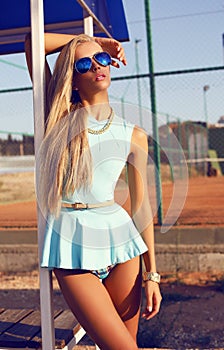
[(156, 143), (170, 148)]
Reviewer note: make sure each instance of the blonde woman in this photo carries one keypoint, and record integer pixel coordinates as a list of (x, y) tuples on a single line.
[(91, 243)]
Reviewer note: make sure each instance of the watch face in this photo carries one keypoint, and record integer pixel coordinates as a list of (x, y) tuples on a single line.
[(151, 276)]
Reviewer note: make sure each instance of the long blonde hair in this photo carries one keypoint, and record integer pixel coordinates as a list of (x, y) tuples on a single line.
[(65, 162)]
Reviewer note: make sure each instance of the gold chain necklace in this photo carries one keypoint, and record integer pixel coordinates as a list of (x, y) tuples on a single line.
[(105, 127)]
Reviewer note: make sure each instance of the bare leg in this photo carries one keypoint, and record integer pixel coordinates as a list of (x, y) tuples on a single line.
[(124, 286), (92, 306)]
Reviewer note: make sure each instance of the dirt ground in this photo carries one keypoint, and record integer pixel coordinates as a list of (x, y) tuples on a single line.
[(203, 204), (191, 315)]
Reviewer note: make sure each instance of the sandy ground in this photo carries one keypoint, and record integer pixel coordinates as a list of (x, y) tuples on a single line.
[(191, 315), (203, 204)]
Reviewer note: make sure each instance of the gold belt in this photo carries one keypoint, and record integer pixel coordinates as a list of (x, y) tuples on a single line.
[(87, 205)]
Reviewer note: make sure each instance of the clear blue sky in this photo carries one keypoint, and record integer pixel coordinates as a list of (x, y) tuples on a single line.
[(185, 33)]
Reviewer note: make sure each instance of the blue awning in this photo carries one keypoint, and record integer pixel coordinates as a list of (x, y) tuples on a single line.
[(61, 16)]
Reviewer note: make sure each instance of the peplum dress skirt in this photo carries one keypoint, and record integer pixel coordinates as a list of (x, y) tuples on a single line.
[(96, 238)]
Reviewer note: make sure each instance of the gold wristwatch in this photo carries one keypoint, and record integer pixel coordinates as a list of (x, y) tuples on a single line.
[(151, 276)]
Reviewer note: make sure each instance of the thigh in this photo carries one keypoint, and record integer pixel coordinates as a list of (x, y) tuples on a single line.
[(92, 306), (124, 286)]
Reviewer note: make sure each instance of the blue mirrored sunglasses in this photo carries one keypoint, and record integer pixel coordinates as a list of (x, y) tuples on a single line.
[(84, 64)]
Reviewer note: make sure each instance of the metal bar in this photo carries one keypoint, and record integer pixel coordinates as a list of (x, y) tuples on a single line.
[(88, 24), (95, 19), (154, 117), (138, 83), (206, 159), (158, 74), (13, 64), (38, 68), (191, 70), (15, 133), (16, 90), (138, 76)]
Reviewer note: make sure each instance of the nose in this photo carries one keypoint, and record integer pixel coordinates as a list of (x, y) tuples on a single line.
[(95, 65)]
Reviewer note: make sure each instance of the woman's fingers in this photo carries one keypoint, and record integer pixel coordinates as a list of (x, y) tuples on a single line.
[(121, 55), (115, 64), (150, 311), (114, 48), (153, 300)]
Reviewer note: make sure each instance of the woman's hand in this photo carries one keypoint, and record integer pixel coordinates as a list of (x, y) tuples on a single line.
[(153, 299), (114, 48)]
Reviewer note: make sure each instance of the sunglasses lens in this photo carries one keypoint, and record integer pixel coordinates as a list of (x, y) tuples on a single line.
[(83, 65), (103, 58)]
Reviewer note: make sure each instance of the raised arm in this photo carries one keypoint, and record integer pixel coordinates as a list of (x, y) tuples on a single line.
[(55, 42), (141, 213)]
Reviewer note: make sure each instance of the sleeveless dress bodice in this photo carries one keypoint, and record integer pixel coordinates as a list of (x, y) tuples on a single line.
[(98, 237)]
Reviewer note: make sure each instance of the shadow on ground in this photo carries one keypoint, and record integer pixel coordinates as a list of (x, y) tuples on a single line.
[(190, 316)]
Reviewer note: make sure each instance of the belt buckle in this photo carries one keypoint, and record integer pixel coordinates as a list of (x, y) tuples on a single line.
[(80, 206)]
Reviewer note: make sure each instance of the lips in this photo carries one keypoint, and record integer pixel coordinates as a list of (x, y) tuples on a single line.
[(100, 77)]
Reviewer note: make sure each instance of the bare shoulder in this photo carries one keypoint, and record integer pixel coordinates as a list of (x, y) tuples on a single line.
[(139, 138)]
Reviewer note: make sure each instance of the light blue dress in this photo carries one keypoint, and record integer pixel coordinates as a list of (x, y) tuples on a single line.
[(94, 239)]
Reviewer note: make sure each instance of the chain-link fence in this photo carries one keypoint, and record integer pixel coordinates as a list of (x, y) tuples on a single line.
[(189, 101), (186, 142), (196, 138), (199, 140)]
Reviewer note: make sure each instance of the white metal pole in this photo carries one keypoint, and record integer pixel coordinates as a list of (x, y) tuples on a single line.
[(38, 64), (88, 29), (88, 24), (87, 10)]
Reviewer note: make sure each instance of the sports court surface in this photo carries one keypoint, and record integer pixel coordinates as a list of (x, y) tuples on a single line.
[(204, 205)]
